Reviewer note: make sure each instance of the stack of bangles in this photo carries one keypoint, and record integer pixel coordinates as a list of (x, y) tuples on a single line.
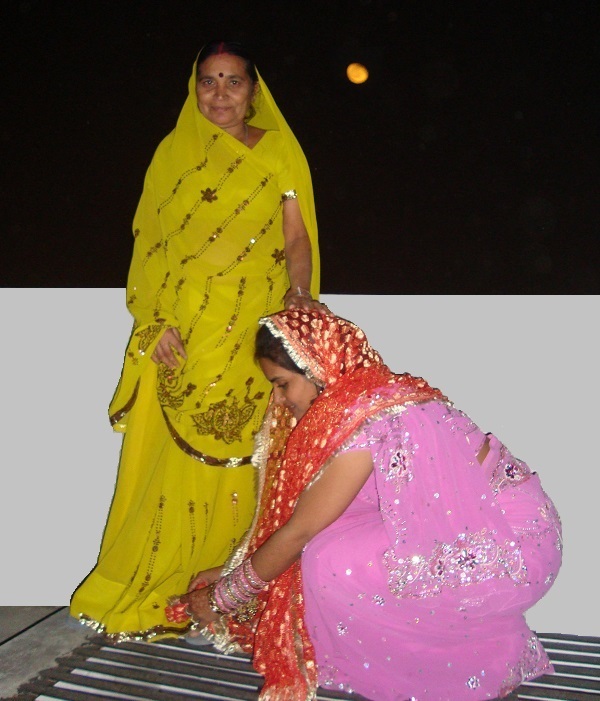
[(236, 589)]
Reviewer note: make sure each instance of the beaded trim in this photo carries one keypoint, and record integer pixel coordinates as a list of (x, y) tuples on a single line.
[(298, 359)]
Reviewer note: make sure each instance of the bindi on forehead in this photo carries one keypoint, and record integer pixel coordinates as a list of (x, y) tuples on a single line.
[(220, 75)]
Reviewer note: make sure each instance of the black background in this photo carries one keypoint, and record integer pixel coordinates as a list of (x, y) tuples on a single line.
[(468, 162)]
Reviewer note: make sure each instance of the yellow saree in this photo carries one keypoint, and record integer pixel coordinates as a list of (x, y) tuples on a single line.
[(209, 259)]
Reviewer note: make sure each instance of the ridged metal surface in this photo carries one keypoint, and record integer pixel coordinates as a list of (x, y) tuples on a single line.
[(174, 671)]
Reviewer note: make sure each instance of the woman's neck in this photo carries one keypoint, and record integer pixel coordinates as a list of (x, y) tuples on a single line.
[(239, 132)]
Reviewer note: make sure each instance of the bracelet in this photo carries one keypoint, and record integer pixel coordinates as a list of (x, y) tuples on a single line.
[(300, 292), (212, 599), (236, 590), (252, 578)]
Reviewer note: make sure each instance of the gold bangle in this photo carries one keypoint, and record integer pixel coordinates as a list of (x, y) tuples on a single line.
[(212, 602)]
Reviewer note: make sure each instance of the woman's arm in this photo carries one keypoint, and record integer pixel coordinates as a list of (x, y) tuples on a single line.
[(318, 507), (298, 256)]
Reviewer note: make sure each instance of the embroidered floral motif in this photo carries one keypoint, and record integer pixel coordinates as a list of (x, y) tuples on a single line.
[(508, 472), (209, 195), (470, 559), (170, 390), (189, 172), (279, 256), (146, 336), (225, 420), (399, 469), (473, 682), (397, 465)]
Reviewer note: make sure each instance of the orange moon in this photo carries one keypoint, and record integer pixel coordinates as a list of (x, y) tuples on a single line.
[(357, 73)]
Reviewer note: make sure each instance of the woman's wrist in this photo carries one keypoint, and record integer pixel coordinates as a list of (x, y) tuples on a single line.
[(298, 292), (236, 590)]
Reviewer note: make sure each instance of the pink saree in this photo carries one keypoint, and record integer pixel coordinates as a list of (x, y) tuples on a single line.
[(418, 590)]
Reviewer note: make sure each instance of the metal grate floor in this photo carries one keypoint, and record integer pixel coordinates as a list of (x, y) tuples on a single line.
[(175, 671)]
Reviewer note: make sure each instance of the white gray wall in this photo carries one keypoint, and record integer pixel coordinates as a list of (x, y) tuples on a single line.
[(524, 367)]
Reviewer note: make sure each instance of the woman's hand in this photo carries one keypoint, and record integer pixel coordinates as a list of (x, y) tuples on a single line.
[(204, 578), (169, 344), (197, 604), (299, 298), (194, 602)]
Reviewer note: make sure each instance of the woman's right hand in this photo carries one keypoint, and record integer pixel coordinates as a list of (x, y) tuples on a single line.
[(204, 578), (169, 344), (302, 299)]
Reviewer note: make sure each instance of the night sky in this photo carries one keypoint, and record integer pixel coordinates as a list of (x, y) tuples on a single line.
[(468, 162)]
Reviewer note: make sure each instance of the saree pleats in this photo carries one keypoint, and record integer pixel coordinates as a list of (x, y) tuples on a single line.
[(161, 527), (209, 260)]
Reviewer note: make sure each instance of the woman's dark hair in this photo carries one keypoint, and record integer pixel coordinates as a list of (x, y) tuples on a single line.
[(214, 48), (271, 347)]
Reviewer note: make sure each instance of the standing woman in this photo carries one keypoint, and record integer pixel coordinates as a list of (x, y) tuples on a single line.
[(225, 233)]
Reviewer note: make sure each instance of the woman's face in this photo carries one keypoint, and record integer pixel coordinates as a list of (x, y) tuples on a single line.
[(224, 90), (291, 389)]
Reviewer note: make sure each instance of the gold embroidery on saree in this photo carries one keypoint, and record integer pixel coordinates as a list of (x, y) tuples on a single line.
[(190, 171), (146, 337), (227, 221), (118, 415), (152, 250), (157, 527), (197, 316), (170, 390), (204, 457), (209, 195), (234, 351), (130, 635), (246, 250), (234, 508), (225, 419), (234, 317), (192, 513), (205, 521)]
